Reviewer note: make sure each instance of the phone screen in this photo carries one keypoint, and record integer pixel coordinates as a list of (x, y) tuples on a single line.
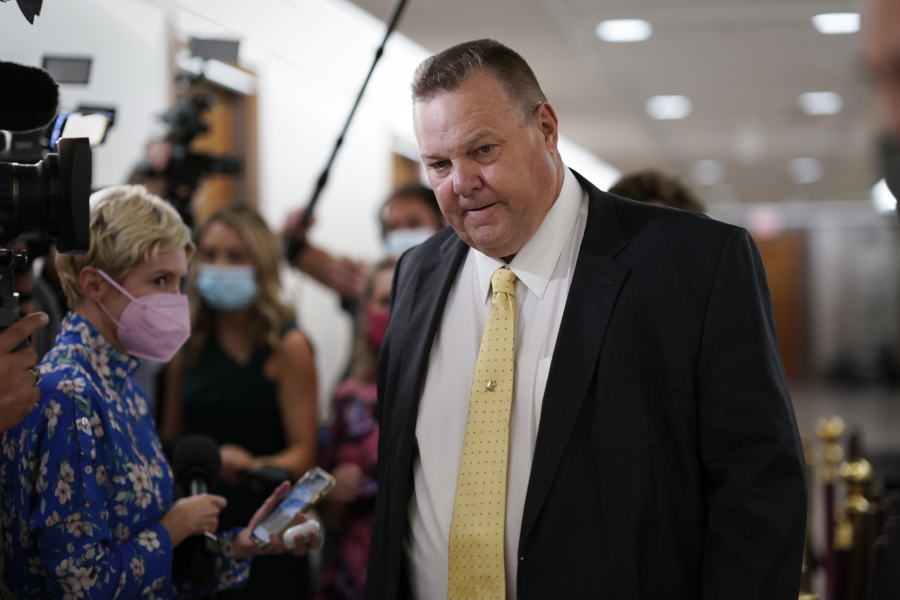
[(309, 489)]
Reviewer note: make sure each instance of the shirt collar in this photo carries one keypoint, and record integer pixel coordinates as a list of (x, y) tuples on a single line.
[(534, 263), (75, 329)]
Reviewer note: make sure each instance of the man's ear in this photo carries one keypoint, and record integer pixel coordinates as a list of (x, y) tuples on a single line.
[(92, 284), (546, 119)]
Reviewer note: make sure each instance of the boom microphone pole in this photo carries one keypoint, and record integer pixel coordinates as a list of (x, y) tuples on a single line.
[(295, 246)]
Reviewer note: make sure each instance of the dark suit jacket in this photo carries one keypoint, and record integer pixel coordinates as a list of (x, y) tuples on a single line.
[(667, 463)]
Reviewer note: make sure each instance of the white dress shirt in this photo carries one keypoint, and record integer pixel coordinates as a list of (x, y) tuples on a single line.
[(544, 268)]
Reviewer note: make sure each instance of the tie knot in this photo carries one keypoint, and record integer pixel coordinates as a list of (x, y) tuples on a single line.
[(503, 281)]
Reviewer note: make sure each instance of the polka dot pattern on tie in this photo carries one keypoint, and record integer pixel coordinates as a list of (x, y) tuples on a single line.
[(477, 530)]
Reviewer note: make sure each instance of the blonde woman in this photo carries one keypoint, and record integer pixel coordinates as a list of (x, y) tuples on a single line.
[(87, 494), (246, 378)]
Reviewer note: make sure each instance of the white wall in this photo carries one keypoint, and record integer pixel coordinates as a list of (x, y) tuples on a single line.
[(127, 40), (311, 58)]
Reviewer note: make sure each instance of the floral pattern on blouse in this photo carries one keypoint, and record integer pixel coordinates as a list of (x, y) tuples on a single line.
[(85, 484)]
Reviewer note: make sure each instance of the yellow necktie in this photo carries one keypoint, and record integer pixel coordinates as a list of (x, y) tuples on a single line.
[(477, 566)]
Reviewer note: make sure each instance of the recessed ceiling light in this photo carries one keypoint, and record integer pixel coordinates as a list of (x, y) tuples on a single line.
[(624, 30), (669, 107), (821, 103), (836, 23), (805, 170)]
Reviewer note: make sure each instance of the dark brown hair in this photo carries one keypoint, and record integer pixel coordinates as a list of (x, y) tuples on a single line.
[(448, 70), (650, 185), (415, 191)]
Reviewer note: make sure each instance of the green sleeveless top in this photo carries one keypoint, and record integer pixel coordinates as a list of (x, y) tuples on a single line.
[(235, 404)]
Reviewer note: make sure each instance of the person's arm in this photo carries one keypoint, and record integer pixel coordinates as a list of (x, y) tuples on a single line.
[(236, 550), (69, 518), (749, 443), (18, 393), (292, 368), (295, 373), (77, 547), (243, 547), (344, 275)]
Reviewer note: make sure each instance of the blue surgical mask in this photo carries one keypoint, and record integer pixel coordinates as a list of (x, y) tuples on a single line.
[(228, 287), (399, 241)]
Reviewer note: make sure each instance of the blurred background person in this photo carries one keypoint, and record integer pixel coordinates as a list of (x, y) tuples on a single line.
[(408, 217), (247, 379), (351, 451), (88, 496), (655, 187)]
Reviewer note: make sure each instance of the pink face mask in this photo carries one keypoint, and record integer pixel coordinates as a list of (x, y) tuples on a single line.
[(154, 326), (376, 326)]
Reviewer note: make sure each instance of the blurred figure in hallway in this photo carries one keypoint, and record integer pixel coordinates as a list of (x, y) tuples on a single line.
[(408, 217), (654, 187), (352, 450)]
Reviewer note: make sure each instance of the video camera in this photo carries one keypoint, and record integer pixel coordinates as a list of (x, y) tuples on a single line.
[(50, 196), (184, 169)]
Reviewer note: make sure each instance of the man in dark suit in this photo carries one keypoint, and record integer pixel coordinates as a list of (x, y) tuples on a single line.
[(652, 446)]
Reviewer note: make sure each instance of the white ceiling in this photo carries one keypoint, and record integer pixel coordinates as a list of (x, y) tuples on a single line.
[(742, 63)]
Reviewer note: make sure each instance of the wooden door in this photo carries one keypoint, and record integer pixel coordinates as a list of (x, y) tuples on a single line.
[(785, 261), (232, 132)]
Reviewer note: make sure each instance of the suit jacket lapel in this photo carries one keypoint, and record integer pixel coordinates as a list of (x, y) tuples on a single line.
[(433, 283), (592, 296)]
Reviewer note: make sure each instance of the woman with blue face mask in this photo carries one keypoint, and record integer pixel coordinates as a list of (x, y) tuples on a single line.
[(246, 378)]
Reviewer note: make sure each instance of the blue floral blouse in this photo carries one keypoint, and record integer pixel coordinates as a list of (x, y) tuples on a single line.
[(85, 484)]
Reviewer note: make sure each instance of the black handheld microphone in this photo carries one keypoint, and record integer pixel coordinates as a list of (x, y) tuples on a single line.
[(196, 464), (29, 100)]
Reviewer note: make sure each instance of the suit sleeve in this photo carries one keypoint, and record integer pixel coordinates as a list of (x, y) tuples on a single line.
[(755, 484)]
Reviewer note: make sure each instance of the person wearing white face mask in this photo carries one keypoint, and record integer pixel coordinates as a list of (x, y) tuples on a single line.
[(246, 379), (87, 493), (407, 218), (410, 216)]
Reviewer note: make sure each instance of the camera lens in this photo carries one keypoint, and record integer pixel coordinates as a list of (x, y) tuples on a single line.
[(51, 196), (20, 188)]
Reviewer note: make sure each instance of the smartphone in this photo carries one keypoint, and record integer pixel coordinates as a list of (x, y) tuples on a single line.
[(305, 493)]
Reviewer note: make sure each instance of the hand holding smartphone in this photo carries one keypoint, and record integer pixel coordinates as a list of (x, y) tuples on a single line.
[(303, 495)]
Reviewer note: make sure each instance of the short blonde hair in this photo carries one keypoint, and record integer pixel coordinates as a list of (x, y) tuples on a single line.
[(128, 226)]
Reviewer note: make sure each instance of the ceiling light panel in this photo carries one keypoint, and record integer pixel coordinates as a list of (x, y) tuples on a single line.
[(624, 30), (821, 103), (668, 108), (836, 23)]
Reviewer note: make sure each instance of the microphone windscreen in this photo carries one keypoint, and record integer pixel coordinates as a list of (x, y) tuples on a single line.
[(195, 457), (30, 97)]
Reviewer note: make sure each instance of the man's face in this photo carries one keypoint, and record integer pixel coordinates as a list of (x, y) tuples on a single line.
[(495, 178), (882, 52)]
